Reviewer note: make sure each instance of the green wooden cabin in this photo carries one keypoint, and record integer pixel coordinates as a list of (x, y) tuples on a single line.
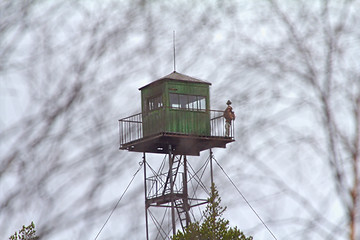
[(176, 104)]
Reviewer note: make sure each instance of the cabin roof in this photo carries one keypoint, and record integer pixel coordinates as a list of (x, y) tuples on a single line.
[(178, 77)]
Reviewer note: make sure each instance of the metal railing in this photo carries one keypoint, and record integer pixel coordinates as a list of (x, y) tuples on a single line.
[(157, 186), (131, 128), (217, 125)]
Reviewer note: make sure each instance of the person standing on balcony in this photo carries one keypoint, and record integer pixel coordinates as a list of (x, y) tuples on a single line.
[(229, 116)]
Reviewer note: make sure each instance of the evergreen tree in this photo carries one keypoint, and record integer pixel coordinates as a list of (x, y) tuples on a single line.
[(214, 227), (26, 233)]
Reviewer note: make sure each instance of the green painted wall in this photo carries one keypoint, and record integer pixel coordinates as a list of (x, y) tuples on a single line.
[(170, 120), (153, 121)]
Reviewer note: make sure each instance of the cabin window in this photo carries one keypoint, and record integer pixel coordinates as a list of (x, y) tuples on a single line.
[(188, 102), (155, 103)]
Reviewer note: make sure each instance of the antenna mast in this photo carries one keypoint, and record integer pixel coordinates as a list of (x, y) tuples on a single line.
[(174, 51)]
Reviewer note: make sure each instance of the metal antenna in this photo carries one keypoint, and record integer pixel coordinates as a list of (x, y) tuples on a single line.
[(174, 51)]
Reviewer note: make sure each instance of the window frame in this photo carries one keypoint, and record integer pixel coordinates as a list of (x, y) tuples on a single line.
[(186, 102), (154, 103)]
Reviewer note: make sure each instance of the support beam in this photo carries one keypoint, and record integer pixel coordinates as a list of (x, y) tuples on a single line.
[(146, 204), (186, 196), (211, 167), (171, 161)]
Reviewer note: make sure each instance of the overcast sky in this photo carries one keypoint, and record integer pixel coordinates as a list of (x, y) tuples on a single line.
[(70, 69)]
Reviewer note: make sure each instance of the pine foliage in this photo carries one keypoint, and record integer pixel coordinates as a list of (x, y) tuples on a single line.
[(26, 233), (214, 227)]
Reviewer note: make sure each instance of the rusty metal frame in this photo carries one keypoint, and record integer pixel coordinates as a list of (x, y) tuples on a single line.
[(166, 195)]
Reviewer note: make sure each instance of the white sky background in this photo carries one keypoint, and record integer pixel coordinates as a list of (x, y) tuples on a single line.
[(112, 48)]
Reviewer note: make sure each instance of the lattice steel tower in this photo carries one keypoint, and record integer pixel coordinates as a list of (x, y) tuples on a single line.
[(175, 121)]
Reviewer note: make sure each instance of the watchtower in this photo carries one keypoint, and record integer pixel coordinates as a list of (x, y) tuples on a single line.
[(175, 120)]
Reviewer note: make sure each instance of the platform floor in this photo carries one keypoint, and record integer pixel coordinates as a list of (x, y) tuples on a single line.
[(182, 144)]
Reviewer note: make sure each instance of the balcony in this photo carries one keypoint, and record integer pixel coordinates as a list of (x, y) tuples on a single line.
[(188, 133)]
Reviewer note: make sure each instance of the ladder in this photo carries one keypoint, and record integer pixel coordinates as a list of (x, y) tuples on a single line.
[(182, 212), (173, 171)]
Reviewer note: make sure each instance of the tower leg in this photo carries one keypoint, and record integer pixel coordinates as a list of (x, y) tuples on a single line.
[(171, 159), (146, 205), (211, 167), (186, 197)]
